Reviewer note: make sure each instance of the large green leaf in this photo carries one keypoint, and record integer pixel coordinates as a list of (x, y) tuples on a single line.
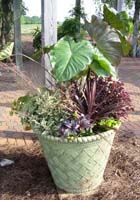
[(120, 21), (101, 66), (107, 41), (122, 25), (112, 19), (126, 46), (6, 52), (95, 67), (69, 58)]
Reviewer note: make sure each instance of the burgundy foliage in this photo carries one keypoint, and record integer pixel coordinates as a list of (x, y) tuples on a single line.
[(95, 100), (101, 98)]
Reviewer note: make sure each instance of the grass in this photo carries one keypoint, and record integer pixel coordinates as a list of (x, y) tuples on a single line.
[(28, 29)]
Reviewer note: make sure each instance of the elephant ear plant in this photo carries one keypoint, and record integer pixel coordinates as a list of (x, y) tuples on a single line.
[(75, 121)]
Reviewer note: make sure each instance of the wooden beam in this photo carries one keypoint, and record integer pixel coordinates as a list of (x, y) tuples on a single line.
[(17, 34), (49, 32), (121, 5)]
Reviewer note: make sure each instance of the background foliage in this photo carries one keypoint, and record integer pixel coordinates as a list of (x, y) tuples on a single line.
[(30, 20)]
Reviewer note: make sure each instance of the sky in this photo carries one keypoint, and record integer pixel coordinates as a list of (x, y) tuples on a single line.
[(63, 7)]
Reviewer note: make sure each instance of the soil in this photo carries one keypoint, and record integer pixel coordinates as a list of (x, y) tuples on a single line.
[(29, 177), (27, 46)]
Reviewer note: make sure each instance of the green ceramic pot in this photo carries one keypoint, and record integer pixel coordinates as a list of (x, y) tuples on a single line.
[(77, 166)]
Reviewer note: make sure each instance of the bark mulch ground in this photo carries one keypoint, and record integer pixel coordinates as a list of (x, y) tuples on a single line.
[(29, 177)]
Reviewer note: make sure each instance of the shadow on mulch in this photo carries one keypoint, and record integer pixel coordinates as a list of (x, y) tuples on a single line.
[(29, 178)]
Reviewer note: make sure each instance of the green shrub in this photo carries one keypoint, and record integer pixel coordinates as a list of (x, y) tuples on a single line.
[(70, 27), (37, 38)]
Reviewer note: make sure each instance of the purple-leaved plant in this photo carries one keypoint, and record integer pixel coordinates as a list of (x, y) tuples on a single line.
[(101, 98), (98, 99)]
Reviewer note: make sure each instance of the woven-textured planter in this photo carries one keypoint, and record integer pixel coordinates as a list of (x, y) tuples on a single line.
[(77, 166)]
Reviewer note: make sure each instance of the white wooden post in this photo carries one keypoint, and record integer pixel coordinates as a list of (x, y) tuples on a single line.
[(17, 33), (49, 32), (120, 5)]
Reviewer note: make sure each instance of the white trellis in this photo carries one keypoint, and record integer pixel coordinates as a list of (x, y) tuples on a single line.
[(49, 30)]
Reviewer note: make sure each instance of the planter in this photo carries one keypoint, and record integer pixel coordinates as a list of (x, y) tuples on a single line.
[(77, 166)]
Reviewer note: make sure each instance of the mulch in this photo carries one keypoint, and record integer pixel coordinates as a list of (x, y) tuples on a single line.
[(29, 177)]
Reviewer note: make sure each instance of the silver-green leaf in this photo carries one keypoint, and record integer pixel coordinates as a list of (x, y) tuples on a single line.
[(107, 41), (6, 52)]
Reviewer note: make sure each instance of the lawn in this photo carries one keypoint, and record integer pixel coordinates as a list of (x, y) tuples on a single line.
[(28, 29)]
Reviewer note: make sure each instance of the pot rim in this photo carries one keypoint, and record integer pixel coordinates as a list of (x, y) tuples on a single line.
[(85, 139)]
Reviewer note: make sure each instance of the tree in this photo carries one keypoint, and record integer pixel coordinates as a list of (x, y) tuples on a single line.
[(72, 25), (77, 15), (23, 8), (6, 15), (7, 20), (136, 28)]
